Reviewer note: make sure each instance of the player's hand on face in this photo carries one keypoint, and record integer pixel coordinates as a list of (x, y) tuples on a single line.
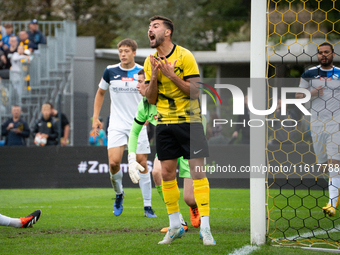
[(166, 68)]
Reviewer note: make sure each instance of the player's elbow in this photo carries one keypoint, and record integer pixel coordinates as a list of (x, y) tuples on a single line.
[(152, 98), (101, 92)]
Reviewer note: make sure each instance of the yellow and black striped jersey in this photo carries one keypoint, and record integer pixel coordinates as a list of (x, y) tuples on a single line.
[(173, 105)]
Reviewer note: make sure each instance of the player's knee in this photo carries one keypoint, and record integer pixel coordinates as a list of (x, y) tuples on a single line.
[(142, 160), (114, 166), (157, 177), (156, 174), (168, 175), (156, 170), (145, 165)]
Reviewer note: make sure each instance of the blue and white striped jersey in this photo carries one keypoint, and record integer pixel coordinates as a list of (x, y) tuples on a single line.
[(123, 93)]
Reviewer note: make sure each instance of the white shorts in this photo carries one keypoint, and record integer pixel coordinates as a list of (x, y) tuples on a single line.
[(117, 138), (326, 142)]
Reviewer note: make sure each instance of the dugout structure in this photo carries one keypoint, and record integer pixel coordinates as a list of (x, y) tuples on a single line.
[(294, 199)]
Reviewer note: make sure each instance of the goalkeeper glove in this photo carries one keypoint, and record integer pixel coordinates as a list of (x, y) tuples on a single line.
[(134, 167)]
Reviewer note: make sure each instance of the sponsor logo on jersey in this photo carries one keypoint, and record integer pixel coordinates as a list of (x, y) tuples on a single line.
[(127, 79), (124, 90), (325, 78)]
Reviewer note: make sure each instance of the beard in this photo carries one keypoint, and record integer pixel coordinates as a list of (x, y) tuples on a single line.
[(157, 42), (328, 62)]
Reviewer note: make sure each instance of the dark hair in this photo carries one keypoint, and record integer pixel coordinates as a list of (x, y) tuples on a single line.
[(167, 22), (128, 42), (326, 44), (141, 72), (52, 107), (8, 25)]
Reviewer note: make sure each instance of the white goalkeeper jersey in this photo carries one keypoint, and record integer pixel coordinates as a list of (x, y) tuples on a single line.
[(325, 109), (123, 93)]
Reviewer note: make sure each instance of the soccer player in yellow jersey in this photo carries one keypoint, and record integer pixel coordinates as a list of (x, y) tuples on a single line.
[(171, 83)]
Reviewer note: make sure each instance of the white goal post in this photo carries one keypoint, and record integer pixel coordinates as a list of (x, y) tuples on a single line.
[(257, 135)]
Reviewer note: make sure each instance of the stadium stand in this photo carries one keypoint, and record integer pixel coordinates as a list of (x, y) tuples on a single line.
[(48, 74)]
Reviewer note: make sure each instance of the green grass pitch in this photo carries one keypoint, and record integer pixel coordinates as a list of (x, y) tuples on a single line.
[(80, 221)]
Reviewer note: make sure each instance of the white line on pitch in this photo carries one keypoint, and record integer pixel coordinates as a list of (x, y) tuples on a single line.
[(247, 249)]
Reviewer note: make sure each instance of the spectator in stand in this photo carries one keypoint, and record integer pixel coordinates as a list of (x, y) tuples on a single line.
[(21, 55), (13, 47), (24, 40), (45, 129), (15, 129), (5, 57), (17, 59), (34, 35), (9, 31), (65, 125)]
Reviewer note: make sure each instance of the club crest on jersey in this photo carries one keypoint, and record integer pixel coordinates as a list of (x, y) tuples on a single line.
[(335, 77), (178, 70), (155, 116), (127, 79)]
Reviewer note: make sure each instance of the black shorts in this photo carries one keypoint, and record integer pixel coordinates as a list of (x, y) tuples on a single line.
[(184, 139)]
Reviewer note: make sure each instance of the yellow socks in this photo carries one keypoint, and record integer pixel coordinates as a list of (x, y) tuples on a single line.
[(201, 191), (171, 195)]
